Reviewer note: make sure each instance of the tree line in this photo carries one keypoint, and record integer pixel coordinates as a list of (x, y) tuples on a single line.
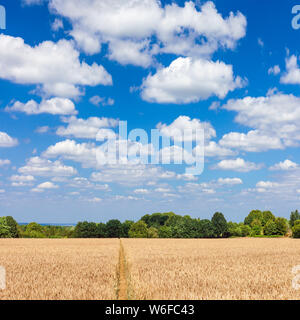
[(162, 225)]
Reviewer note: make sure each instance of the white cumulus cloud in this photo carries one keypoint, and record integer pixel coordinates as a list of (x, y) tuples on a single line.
[(23, 64), (55, 106), (230, 181), (21, 180), (292, 74), (141, 191), (189, 80), (47, 185), (238, 164), (284, 165), (7, 141), (37, 166), (275, 119), (128, 26), (213, 149), (184, 129), (4, 162), (87, 128), (274, 70), (253, 141)]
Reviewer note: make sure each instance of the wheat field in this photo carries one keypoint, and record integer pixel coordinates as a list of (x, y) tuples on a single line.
[(59, 269), (212, 269), (89, 269)]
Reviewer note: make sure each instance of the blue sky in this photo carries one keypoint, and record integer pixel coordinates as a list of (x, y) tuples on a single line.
[(71, 68)]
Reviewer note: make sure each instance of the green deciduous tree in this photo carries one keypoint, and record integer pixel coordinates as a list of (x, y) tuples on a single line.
[(33, 226), (34, 230), (295, 215), (4, 228), (246, 230), (296, 229), (297, 222), (114, 229), (173, 220), (58, 231), (256, 230), (138, 230), (186, 227), (256, 223), (266, 216), (126, 227), (152, 233), (206, 229), (234, 229), (101, 230), (86, 230), (282, 226), (270, 228), (155, 220), (220, 225), (12, 223), (165, 232), (253, 215)]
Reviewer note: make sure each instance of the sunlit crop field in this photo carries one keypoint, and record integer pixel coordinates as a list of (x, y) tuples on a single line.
[(152, 269), (212, 269), (59, 269)]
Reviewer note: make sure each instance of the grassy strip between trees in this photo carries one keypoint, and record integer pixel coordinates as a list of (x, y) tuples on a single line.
[(162, 225)]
